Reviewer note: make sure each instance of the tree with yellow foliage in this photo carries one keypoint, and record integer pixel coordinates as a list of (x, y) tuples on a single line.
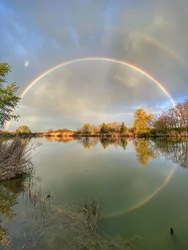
[(141, 121)]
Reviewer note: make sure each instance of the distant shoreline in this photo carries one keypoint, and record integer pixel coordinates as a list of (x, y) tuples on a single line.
[(75, 135)]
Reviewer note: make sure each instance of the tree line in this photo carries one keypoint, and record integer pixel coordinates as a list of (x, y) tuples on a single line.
[(171, 121)]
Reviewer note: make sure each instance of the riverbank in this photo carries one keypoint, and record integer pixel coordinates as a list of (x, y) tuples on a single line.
[(111, 135), (73, 134)]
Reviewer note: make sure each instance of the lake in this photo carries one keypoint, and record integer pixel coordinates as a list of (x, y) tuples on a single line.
[(140, 185)]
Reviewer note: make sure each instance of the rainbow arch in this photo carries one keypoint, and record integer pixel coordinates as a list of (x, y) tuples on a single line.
[(103, 59)]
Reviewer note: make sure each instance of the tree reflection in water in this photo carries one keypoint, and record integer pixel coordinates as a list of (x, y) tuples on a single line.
[(120, 142), (9, 192), (89, 142), (146, 149), (173, 149), (35, 207)]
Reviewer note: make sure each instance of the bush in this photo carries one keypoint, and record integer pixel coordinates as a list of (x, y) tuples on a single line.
[(15, 159), (23, 130)]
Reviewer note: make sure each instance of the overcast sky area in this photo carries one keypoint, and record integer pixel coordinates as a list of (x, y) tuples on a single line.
[(37, 35)]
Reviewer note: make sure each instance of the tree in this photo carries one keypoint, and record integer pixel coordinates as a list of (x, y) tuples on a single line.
[(8, 99), (113, 127), (182, 113), (160, 123), (104, 128), (15, 154), (122, 128), (23, 130), (141, 121), (175, 118), (86, 128)]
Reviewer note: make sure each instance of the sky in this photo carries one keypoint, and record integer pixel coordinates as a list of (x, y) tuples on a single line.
[(150, 36)]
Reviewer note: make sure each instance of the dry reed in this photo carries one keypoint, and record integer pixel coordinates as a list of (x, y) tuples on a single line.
[(15, 158)]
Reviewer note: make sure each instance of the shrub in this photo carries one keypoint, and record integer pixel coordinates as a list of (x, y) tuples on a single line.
[(15, 159)]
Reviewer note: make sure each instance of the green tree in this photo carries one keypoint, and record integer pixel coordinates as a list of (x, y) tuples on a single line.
[(23, 130), (141, 121), (113, 127), (86, 128), (104, 128), (122, 128), (8, 99)]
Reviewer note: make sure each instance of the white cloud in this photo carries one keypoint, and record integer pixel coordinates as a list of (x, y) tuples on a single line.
[(26, 63)]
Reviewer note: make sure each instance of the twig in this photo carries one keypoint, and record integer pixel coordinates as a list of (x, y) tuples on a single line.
[(34, 245)]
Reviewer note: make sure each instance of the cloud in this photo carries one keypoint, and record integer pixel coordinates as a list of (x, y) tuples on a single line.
[(151, 35), (153, 43), (94, 92), (26, 63)]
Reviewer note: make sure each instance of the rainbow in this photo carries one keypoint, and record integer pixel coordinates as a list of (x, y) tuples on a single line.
[(102, 59), (132, 67), (162, 47), (145, 201)]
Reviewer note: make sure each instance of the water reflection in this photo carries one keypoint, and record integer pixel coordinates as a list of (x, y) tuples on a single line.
[(89, 142), (67, 226), (113, 175), (25, 192), (146, 149), (115, 142), (172, 149), (8, 198)]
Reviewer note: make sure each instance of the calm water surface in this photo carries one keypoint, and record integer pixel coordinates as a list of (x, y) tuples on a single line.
[(141, 186)]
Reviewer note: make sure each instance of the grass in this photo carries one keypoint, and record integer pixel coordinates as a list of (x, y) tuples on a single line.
[(77, 228), (48, 226)]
